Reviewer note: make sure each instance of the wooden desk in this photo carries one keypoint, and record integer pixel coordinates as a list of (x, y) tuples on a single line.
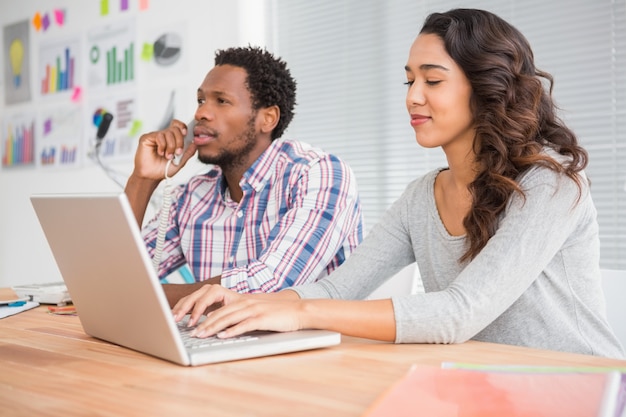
[(49, 367)]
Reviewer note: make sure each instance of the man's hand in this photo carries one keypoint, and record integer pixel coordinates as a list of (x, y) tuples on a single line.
[(156, 148), (153, 152)]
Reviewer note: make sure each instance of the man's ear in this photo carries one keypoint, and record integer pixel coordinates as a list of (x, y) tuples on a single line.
[(269, 118)]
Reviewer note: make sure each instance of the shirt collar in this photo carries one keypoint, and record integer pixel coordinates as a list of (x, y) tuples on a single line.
[(261, 170)]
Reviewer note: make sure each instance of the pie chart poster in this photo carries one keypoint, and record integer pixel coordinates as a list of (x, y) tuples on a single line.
[(164, 50)]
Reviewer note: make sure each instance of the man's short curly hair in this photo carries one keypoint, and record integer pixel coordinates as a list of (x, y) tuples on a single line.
[(269, 81)]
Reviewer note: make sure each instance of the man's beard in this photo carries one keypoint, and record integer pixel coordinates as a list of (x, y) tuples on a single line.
[(228, 158)]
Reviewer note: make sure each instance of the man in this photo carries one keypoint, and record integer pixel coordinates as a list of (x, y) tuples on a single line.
[(271, 213)]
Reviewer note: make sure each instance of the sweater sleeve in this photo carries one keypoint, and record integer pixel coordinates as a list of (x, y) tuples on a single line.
[(385, 251), (530, 234)]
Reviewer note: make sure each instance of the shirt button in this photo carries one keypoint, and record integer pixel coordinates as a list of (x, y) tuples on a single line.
[(240, 214), (231, 259)]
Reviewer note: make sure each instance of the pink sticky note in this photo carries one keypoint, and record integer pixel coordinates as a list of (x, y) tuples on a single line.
[(143, 4), (77, 94), (59, 16)]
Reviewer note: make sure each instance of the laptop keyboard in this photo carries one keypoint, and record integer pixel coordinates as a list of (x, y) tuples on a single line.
[(196, 343)]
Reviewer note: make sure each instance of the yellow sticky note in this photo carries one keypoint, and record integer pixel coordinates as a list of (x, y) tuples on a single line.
[(135, 128), (147, 51), (104, 7)]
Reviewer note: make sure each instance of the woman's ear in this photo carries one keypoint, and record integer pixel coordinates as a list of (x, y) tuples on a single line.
[(269, 118)]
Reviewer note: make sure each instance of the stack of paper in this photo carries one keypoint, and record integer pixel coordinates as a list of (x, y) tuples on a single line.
[(11, 307), (463, 392)]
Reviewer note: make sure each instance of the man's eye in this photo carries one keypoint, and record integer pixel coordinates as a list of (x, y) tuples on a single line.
[(201, 101)]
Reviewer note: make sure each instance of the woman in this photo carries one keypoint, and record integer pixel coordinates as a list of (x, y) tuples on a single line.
[(505, 237)]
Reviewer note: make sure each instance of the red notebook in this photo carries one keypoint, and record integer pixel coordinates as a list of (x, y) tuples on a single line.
[(437, 392)]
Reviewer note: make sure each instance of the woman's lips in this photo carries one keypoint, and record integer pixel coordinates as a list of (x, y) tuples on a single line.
[(418, 119)]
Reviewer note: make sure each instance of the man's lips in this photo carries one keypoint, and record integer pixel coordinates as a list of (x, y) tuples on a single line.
[(203, 136)]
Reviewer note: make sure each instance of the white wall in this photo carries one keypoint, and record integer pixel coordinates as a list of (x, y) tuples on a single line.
[(407, 281), (210, 25), (614, 285)]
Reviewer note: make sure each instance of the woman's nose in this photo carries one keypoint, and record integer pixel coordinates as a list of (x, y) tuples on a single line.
[(415, 95)]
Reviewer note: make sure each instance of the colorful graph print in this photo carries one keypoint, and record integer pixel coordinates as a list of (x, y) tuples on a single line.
[(17, 67), (118, 144), (18, 144), (60, 137), (65, 156), (111, 52), (59, 67)]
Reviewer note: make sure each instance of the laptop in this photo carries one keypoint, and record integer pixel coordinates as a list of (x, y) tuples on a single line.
[(105, 265)]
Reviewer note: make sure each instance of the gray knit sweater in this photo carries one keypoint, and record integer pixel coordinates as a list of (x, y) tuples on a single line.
[(536, 283)]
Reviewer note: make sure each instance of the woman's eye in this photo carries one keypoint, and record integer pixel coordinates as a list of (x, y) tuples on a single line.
[(409, 83), (433, 82)]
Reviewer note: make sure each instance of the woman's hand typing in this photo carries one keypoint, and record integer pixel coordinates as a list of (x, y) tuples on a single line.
[(231, 314)]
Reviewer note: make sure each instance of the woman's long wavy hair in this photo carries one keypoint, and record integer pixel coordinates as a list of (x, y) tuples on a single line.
[(514, 115)]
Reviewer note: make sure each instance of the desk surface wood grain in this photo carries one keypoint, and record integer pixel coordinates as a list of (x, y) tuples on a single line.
[(50, 367)]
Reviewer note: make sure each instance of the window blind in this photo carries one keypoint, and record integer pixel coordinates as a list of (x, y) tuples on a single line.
[(348, 58)]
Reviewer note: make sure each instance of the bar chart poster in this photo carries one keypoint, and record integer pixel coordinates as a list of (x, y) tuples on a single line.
[(18, 141), (59, 67), (111, 55), (60, 131)]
